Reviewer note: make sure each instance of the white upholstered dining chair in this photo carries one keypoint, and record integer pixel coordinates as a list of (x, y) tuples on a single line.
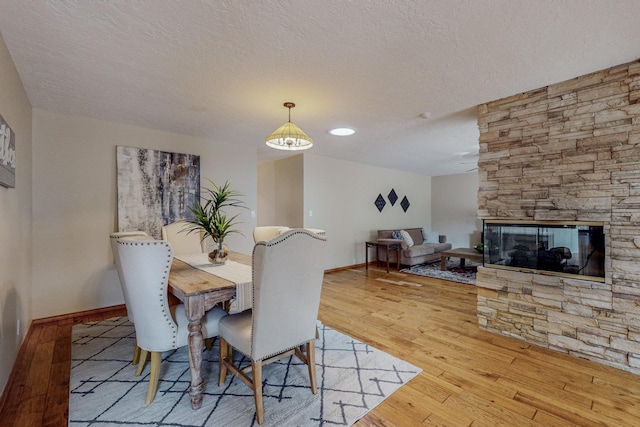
[(181, 241), (127, 235), (287, 282), (145, 266)]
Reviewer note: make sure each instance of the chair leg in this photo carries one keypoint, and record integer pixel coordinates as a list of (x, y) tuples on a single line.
[(302, 346), (256, 367), (156, 358), (144, 355), (136, 355), (311, 365), (224, 354)]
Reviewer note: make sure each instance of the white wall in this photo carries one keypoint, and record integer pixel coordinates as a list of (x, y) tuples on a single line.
[(15, 220), (289, 191), (280, 192), (341, 196), (74, 203), (454, 206), (266, 212)]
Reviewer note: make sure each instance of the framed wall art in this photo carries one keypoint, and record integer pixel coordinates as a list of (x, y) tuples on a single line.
[(155, 188), (7, 155)]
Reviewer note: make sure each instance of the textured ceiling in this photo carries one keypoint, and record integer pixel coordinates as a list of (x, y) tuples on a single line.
[(222, 69)]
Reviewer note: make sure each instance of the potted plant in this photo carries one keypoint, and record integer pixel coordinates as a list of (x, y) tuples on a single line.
[(211, 219)]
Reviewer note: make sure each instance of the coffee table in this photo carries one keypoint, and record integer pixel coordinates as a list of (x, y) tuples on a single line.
[(462, 253)]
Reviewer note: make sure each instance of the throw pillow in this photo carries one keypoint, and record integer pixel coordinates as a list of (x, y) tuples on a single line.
[(430, 236), (406, 237), (396, 235)]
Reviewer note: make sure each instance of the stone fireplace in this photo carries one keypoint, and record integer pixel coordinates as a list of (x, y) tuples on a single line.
[(567, 152)]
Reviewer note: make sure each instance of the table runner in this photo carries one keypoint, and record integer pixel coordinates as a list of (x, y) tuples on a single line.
[(233, 271)]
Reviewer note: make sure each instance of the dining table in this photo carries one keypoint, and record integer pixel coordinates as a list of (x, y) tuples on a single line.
[(201, 286)]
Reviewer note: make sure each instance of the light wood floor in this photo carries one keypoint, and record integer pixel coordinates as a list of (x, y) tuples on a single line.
[(469, 378)]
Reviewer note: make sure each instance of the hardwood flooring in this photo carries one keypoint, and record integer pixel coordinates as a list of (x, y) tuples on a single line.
[(469, 377)]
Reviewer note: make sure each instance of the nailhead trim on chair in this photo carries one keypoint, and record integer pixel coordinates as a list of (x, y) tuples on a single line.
[(165, 279), (277, 240), (295, 231)]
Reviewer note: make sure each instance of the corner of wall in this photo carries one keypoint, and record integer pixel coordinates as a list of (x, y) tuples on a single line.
[(15, 219)]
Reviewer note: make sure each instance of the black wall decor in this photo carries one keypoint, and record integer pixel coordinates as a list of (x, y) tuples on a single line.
[(393, 197), (380, 203), (405, 203)]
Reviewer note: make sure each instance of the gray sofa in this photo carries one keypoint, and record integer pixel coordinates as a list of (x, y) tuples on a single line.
[(419, 253)]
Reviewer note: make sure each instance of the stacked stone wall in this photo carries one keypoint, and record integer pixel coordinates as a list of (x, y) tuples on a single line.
[(567, 152)]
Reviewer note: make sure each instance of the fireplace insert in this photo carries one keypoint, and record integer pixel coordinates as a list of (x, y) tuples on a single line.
[(575, 249)]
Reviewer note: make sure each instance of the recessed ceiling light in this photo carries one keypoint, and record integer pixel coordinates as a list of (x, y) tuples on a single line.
[(342, 131)]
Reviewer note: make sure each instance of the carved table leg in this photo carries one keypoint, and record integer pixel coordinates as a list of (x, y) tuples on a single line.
[(195, 313)]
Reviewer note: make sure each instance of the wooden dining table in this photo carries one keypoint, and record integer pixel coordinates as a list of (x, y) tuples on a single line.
[(200, 291)]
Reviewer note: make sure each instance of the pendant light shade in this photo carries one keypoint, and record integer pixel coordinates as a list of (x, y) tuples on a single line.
[(289, 136)]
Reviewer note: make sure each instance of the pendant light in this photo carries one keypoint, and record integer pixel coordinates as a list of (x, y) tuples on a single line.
[(289, 136)]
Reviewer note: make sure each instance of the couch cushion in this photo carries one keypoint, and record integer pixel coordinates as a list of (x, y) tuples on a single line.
[(430, 236), (441, 247), (418, 250), (385, 234), (416, 235)]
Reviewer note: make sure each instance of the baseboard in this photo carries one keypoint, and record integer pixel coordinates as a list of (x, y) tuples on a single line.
[(77, 317), (14, 371), (80, 314), (347, 267)]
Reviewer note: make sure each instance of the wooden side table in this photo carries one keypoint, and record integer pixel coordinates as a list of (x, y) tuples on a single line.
[(388, 244)]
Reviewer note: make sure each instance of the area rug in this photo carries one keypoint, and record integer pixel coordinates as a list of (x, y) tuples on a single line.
[(353, 378), (454, 273)]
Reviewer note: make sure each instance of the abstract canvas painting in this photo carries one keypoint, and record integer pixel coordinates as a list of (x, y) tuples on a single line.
[(7, 155), (155, 188)]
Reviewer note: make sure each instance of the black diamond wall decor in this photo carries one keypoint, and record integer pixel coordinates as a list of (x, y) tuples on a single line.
[(405, 203), (393, 197), (380, 203)]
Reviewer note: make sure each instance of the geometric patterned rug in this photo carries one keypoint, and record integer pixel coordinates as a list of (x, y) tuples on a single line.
[(352, 377), (454, 273)]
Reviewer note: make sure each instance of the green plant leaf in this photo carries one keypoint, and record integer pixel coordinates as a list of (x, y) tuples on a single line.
[(209, 215)]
